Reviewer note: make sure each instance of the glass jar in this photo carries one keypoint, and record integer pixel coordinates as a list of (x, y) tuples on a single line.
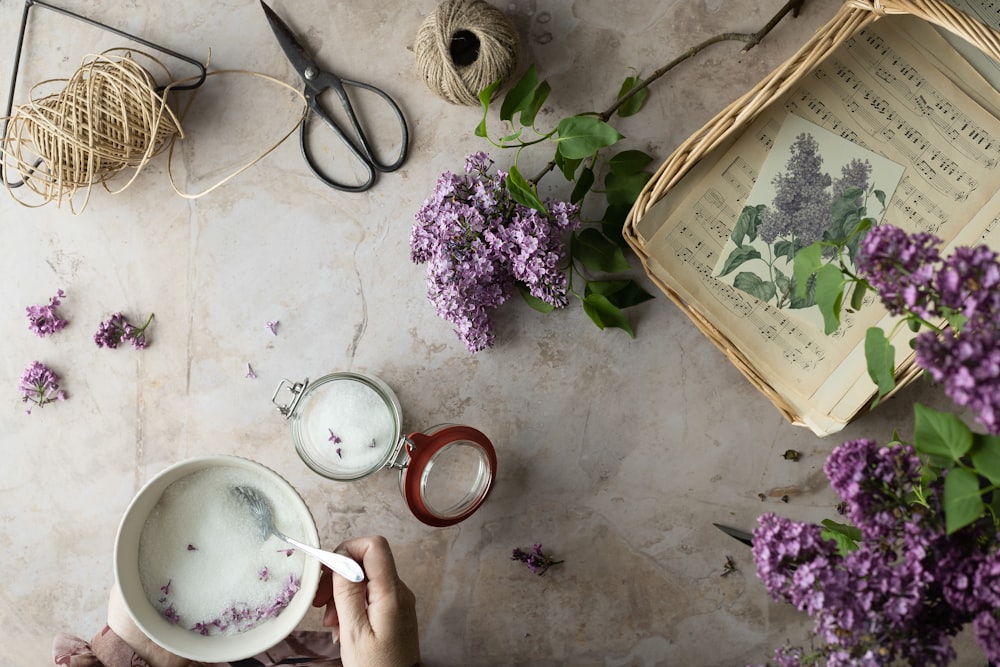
[(346, 426)]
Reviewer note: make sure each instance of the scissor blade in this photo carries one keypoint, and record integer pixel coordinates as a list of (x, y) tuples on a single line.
[(295, 52), (737, 534)]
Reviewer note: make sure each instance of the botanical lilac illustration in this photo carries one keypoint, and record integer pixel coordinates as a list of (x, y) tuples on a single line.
[(808, 206)]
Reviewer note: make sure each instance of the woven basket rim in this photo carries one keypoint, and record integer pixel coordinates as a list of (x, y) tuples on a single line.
[(852, 16)]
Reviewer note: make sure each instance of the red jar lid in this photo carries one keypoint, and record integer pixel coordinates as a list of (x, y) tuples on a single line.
[(449, 475)]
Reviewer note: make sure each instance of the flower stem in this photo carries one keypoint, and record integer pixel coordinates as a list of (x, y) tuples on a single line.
[(750, 39)]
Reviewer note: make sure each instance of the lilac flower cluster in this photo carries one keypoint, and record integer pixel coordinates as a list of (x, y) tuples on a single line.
[(905, 591), (900, 267), (43, 319), (536, 560), (117, 328), (801, 206), (239, 617), (854, 174), (479, 243), (40, 385), (964, 288)]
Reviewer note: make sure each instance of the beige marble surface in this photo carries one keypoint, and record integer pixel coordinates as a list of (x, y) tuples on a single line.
[(617, 454)]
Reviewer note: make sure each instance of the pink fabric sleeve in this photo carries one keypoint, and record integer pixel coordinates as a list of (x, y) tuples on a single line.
[(301, 648), (105, 650)]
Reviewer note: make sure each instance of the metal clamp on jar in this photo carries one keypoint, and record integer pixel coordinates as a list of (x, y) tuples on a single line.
[(346, 426)]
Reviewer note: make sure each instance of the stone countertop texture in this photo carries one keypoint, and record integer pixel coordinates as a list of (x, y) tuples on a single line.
[(617, 454)]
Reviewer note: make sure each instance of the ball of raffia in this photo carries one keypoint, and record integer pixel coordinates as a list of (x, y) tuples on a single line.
[(462, 47), (108, 117)]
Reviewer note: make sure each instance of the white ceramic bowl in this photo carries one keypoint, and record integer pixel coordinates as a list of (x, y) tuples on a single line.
[(183, 641)]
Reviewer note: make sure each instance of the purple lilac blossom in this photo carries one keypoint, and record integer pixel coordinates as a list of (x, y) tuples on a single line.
[(117, 328), (911, 277), (987, 631), (43, 319), (801, 205), (906, 590), (967, 364), (478, 244), (873, 481), (899, 266), (241, 617), (854, 174), (40, 385), (536, 560)]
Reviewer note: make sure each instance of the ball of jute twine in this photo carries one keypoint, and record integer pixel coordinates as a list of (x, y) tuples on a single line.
[(108, 117), (462, 47)]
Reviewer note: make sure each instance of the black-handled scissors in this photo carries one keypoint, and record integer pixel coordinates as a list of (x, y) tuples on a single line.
[(737, 534), (318, 81)]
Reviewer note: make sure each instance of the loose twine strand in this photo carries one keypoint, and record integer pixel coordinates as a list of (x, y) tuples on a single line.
[(497, 51), (107, 118)]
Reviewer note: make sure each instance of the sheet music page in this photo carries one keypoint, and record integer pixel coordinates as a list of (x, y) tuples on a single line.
[(880, 92), (987, 13)]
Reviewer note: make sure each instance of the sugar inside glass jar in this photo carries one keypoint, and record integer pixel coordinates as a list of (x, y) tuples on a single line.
[(346, 426)]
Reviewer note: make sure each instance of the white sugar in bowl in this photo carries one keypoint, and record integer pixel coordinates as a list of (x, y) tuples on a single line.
[(195, 573)]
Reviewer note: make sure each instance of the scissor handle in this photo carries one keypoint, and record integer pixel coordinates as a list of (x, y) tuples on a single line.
[(323, 81)]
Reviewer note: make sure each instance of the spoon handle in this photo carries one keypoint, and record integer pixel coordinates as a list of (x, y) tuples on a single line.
[(342, 565)]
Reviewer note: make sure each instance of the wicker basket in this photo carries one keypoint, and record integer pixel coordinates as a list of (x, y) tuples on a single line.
[(853, 16)]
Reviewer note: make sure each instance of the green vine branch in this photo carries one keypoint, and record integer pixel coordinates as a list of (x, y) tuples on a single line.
[(596, 250), (750, 39)]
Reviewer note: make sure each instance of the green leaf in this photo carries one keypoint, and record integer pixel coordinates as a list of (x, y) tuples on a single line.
[(624, 189), (940, 433), (846, 536), (485, 95), (634, 104), (629, 162), (881, 358), (858, 295), (986, 456), (746, 226), (596, 252), (606, 314), (541, 94), (523, 192), (583, 185), (533, 301), (956, 320), (963, 501), (582, 136), (754, 285), (808, 260), (613, 221), (519, 97), (737, 257), (621, 293), (566, 166), (829, 294), (880, 195), (785, 249), (782, 283)]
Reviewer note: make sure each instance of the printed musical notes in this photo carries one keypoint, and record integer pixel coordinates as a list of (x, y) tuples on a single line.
[(892, 89)]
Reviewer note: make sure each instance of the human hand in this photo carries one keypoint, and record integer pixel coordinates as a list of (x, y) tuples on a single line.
[(375, 620), (122, 625)]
